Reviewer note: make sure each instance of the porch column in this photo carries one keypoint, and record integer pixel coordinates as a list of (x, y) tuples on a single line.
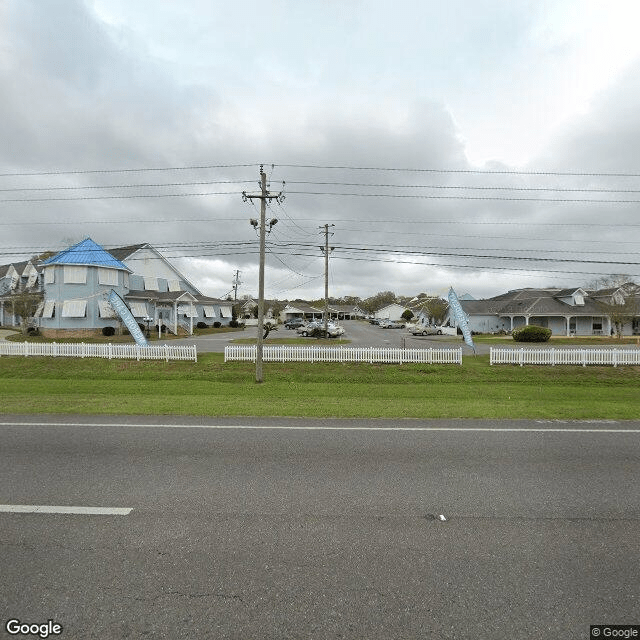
[(567, 319), (175, 317)]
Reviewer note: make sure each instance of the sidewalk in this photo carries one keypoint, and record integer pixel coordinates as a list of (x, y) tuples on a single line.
[(6, 332)]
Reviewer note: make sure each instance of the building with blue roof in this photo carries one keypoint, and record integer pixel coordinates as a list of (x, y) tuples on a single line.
[(86, 253), (73, 288)]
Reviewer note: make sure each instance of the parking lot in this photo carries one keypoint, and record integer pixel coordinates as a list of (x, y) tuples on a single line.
[(357, 333)]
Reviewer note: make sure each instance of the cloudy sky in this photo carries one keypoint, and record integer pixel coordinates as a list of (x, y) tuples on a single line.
[(481, 144)]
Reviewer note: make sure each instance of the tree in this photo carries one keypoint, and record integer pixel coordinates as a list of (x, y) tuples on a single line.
[(381, 299), (407, 314), (621, 302), (25, 305), (620, 311), (436, 309)]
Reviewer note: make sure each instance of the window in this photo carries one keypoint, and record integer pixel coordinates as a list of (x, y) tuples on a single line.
[(106, 310), (150, 283), (107, 276), (225, 312), (74, 309), (49, 275), (49, 309), (209, 311), (32, 279), (188, 310), (138, 309), (174, 285), (15, 277), (74, 274)]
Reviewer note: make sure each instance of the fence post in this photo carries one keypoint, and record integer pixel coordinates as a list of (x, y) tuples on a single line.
[(138, 352), (26, 349), (521, 357), (615, 357)]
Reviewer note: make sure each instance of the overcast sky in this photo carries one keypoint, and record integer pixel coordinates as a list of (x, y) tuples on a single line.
[(479, 144)]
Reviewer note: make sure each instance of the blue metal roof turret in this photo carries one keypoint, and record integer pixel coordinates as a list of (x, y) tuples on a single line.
[(87, 252)]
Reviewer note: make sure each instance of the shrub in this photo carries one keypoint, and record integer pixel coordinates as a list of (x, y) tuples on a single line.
[(217, 325), (108, 331), (234, 324), (201, 325), (532, 333)]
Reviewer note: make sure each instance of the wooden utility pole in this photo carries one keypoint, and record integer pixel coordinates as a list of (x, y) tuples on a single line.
[(326, 249), (263, 196)]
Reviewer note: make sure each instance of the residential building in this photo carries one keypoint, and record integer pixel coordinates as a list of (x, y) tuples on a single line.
[(567, 312), (75, 284)]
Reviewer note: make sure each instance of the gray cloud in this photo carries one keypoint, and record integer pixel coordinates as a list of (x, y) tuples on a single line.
[(78, 93)]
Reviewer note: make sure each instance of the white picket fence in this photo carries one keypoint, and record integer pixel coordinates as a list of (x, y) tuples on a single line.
[(552, 356), (92, 350), (312, 353)]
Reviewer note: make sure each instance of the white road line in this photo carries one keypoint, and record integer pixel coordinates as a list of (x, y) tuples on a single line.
[(83, 511), (320, 427)]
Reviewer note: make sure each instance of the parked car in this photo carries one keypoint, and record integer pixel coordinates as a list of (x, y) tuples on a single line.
[(294, 323), (307, 328), (426, 330), (316, 330), (393, 324), (375, 321)]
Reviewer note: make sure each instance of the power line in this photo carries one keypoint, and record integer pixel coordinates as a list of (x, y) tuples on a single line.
[(61, 172), (581, 174)]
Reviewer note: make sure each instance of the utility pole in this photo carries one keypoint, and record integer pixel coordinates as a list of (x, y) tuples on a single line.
[(326, 250), (236, 282), (264, 196)]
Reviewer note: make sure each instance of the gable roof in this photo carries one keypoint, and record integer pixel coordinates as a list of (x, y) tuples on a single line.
[(87, 252), (128, 253), (122, 253)]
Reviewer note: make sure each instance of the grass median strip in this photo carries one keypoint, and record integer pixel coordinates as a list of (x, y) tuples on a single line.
[(211, 387)]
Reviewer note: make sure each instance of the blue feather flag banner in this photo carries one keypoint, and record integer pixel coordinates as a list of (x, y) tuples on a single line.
[(461, 318), (127, 317)]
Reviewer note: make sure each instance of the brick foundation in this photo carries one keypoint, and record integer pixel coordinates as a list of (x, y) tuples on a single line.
[(71, 333)]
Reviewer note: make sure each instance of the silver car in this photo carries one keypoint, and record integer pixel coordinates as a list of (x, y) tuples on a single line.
[(426, 330)]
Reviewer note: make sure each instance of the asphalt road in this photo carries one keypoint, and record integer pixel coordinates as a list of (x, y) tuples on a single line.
[(321, 529)]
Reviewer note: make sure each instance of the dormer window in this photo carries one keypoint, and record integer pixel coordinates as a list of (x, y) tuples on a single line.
[(578, 298)]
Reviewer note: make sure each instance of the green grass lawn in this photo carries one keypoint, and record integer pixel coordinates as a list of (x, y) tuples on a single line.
[(211, 387)]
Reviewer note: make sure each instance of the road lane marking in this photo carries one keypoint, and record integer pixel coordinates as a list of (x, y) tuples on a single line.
[(320, 427), (83, 511)]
